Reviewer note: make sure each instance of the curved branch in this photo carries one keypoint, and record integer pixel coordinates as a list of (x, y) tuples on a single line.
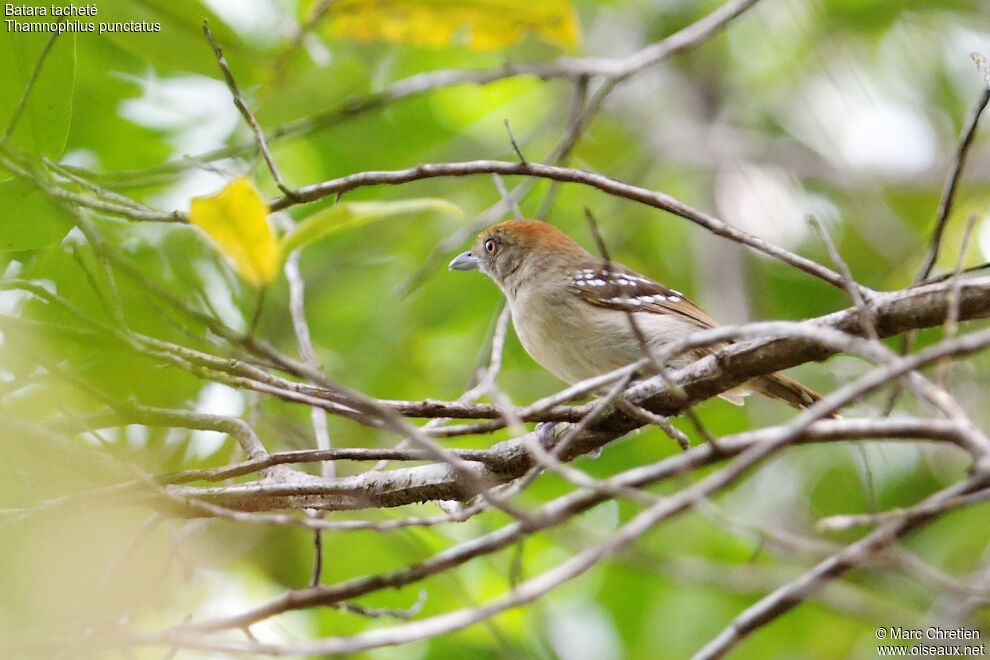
[(794, 593), (552, 513), (565, 68), (508, 460), (606, 184)]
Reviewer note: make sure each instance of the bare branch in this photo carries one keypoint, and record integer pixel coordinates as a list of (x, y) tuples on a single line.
[(843, 522), (570, 68), (853, 555), (852, 288), (512, 141), (297, 310), (605, 184), (952, 182), (952, 313), (259, 135)]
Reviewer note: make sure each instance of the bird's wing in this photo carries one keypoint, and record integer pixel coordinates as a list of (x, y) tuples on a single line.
[(616, 287)]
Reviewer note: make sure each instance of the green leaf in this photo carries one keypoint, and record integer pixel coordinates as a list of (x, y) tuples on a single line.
[(350, 214), (42, 118), (31, 219)]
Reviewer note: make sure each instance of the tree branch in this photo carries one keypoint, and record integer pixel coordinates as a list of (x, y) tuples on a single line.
[(891, 314)]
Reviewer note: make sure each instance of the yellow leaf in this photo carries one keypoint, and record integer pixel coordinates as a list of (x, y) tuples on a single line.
[(480, 24), (236, 219)]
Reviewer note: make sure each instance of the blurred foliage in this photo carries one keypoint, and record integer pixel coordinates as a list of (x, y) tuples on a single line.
[(482, 24), (236, 218), (845, 108), (351, 215), (43, 116)]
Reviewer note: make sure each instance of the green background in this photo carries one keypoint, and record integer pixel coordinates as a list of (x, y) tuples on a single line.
[(847, 108)]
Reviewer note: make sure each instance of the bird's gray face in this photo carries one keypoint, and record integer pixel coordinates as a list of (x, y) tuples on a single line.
[(492, 254)]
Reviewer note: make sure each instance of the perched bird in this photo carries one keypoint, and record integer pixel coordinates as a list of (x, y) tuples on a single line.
[(571, 310)]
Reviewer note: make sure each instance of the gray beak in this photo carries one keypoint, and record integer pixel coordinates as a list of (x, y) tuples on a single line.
[(464, 261)]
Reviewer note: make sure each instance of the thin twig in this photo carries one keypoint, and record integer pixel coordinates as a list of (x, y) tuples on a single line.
[(562, 154), (606, 184), (512, 141), (794, 593), (843, 522), (297, 310), (952, 302), (644, 345), (571, 68), (945, 202), (854, 290), (663, 423), (259, 135), (386, 612), (317, 574), (507, 198), (952, 183)]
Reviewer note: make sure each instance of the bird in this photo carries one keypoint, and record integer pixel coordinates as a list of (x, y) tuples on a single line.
[(580, 316)]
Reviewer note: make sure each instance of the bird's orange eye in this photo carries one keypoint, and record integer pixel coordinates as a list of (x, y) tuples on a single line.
[(490, 246)]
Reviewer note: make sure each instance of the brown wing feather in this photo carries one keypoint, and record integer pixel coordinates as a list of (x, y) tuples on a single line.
[(618, 287)]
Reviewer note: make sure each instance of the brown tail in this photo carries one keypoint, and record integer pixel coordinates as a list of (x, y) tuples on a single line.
[(788, 390)]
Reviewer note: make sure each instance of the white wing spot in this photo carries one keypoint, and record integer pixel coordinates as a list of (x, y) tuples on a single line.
[(636, 302)]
